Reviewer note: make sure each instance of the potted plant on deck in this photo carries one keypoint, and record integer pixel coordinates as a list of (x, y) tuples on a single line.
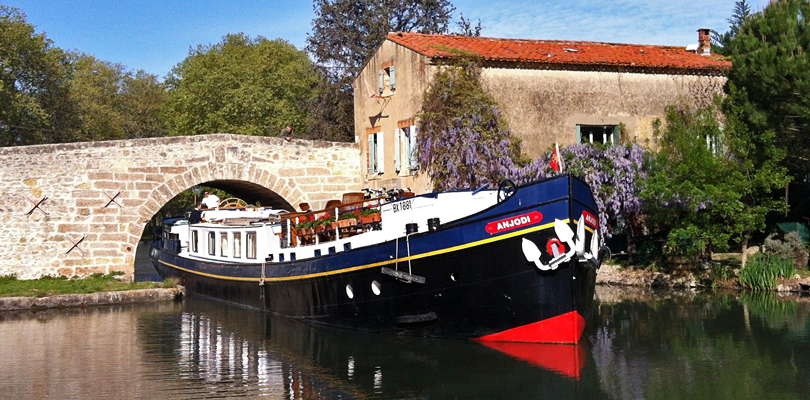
[(370, 215), (346, 220), (323, 223)]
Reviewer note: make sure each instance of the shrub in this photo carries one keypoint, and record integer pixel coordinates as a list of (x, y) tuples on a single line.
[(762, 271), (790, 247)]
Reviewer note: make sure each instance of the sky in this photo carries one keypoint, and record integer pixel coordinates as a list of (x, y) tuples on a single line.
[(154, 35)]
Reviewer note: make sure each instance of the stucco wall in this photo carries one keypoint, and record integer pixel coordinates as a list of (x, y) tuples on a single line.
[(413, 73), (544, 107)]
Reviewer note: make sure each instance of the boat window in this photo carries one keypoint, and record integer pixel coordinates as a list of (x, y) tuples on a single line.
[(194, 240), (212, 244), (237, 244), (347, 246), (280, 257), (292, 256), (223, 244), (332, 250), (251, 245), (317, 252)]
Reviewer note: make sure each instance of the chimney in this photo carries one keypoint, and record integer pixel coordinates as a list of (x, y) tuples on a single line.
[(704, 42)]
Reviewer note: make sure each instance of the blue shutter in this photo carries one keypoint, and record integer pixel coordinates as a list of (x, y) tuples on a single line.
[(392, 77)]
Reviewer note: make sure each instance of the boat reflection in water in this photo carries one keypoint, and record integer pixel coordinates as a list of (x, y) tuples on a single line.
[(219, 344)]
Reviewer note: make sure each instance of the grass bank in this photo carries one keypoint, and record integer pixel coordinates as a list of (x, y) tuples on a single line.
[(10, 286)]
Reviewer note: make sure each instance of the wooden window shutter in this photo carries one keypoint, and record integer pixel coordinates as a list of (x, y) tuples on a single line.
[(381, 74), (392, 77), (413, 162), (578, 136), (397, 144), (617, 135), (380, 152)]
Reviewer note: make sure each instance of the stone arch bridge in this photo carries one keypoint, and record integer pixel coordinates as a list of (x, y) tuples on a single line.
[(81, 208)]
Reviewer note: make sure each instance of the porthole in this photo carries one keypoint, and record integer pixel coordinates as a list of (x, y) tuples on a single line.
[(376, 287), (349, 291)]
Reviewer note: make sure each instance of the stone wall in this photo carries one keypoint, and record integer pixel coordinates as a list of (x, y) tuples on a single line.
[(544, 107), (78, 180)]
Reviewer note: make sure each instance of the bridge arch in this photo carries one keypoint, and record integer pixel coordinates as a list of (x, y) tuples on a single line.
[(97, 197)]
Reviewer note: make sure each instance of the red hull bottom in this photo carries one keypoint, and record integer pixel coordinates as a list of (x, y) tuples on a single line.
[(565, 328)]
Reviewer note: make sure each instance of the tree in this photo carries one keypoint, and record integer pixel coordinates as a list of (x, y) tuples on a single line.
[(240, 85), (466, 28), (703, 196), (720, 41), (464, 141), (111, 103), (769, 83), (344, 35), (32, 91)]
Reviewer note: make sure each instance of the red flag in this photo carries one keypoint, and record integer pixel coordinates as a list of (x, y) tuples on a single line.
[(555, 159)]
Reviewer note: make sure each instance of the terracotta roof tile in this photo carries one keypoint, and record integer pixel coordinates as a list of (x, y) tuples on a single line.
[(560, 52)]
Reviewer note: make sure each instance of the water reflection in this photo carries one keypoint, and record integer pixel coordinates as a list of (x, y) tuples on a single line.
[(649, 344), (640, 344)]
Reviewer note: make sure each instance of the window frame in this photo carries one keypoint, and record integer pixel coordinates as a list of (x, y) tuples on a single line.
[(237, 244), (212, 243), (250, 242), (613, 138), (223, 244), (195, 240)]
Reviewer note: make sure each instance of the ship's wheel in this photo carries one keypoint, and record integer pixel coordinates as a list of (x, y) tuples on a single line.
[(232, 202)]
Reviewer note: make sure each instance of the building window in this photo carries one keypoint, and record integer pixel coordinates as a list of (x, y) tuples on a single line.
[(405, 147), (223, 244), (212, 244), (376, 151), (251, 245), (602, 134), (237, 245), (387, 84), (194, 241)]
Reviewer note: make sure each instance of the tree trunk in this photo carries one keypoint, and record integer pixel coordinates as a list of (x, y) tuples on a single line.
[(744, 257)]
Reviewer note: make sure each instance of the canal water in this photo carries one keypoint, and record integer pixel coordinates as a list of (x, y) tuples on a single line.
[(638, 344)]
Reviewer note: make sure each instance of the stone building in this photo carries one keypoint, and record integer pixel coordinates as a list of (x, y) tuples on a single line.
[(550, 91)]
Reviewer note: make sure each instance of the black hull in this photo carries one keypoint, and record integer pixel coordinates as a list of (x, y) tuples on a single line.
[(484, 289)]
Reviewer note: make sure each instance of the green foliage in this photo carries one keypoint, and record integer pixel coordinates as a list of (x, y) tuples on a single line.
[(51, 96), (369, 211), (10, 286), (720, 273), (705, 197), (33, 99), (240, 85), (463, 140), (762, 271), (720, 41), (111, 103), (791, 248), (770, 80)]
